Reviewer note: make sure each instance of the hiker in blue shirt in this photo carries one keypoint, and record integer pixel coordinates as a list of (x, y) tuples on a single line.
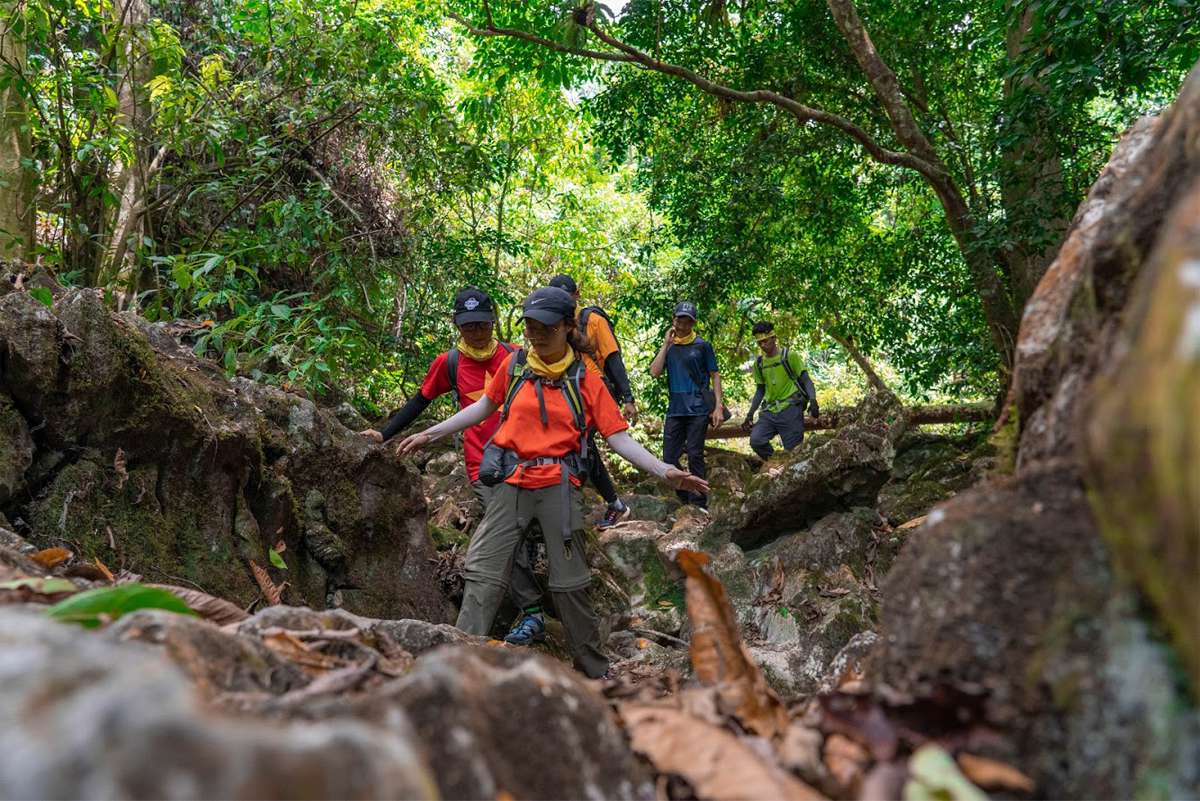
[(695, 395)]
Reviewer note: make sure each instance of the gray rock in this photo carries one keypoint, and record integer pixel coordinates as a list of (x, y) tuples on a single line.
[(87, 718), (499, 720), (16, 450), (215, 472)]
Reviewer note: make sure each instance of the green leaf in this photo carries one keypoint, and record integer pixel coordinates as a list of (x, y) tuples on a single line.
[(935, 777), (87, 608), (43, 295), (281, 310), (276, 559), (45, 586)]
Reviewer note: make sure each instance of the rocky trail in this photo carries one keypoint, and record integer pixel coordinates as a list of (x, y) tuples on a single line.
[(885, 612)]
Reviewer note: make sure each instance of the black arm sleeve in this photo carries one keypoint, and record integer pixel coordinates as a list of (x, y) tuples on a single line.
[(759, 392), (403, 418), (811, 391), (614, 368)]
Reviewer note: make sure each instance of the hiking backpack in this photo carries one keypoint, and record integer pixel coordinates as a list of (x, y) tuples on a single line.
[(787, 367)]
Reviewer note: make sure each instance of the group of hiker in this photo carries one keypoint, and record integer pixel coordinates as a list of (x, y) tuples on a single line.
[(530, 418)]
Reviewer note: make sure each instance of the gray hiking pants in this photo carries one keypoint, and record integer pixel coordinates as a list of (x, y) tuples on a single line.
[(492, 554), (523, 588), (788, 423)]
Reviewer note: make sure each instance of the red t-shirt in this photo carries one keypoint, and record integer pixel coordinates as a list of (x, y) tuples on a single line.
[(473, 376), (524, 433)]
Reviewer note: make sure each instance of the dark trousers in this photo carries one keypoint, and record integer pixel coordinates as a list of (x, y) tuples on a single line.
[(598, 473), (788, 423), (686, 434)]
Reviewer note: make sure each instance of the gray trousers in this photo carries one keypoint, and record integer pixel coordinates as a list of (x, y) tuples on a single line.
[(492, 554), (523, 588), (788, 423)]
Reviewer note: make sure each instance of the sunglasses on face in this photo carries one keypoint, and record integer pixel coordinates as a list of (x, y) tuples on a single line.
[(476, 327)]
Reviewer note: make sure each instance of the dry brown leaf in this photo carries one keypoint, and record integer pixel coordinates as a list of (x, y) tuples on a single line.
[(293, 649), (712, 759), (209, 607), (916, 522), (51, 557), (273, 594), (845, 760), (104, 569), (719, 657), (992, 775), (119, 469)]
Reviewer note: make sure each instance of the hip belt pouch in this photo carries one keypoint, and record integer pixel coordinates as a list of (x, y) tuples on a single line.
[(496, 465)]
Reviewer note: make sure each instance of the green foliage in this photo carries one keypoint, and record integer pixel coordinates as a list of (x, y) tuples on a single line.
[(312, 181), (92, 608)]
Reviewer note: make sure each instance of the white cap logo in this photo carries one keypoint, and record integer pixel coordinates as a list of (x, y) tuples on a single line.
[(471, 304)]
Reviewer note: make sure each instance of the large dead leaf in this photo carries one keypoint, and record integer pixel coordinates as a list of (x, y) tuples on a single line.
[(712, 759), (51, 557), (209, 607), (992, 775), (273, 594), (719, 657)]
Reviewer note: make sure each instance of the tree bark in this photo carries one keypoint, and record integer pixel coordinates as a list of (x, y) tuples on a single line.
[(127, 223), (16, 181)]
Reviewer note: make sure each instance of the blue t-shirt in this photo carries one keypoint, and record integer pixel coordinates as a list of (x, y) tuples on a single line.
[(686, 363)]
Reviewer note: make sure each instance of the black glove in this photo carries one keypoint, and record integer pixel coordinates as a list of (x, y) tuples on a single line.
[(749, 421), (814, 409)]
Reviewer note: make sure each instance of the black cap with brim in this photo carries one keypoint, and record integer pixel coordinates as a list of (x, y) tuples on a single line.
[(685, 309), (472, 305), (564, 282), (548, 305)]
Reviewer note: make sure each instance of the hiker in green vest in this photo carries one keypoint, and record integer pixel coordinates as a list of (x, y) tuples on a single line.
[(783, 389)]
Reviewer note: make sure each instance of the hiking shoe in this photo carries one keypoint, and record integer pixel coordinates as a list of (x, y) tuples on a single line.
[(528, 630), (614, 514)]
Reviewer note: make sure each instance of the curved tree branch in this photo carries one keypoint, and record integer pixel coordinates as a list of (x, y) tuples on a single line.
[(628, 54)]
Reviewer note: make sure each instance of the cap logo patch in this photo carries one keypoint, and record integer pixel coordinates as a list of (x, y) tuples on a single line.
[(471, 304)]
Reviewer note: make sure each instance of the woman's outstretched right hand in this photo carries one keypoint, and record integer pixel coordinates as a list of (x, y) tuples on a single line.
[(373, 435), (683, 480), (414, 443)]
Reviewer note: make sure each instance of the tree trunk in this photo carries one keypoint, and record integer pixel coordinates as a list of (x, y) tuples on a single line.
[(127, 222), (1002, 316), (1032, 190), (16, 181)]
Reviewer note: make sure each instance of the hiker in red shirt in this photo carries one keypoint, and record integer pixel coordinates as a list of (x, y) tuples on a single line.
[(465, 370), (537, 461)]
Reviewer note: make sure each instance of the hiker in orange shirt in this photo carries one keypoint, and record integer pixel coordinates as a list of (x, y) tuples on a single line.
[(537, 461)]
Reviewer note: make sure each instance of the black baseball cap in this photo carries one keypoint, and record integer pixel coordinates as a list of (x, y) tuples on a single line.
[(548, 305), (685, 308), (565, 283), (473, 305)]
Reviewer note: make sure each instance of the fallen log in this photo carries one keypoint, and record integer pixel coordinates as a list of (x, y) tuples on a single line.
[(833, 418)]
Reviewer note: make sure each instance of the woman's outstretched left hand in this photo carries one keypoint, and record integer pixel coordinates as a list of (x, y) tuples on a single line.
[(683, 480), (412, 444)]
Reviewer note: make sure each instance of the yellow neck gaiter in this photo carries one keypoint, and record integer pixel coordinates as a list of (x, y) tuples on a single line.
[(479, 354), (554, 371), (689, 339)]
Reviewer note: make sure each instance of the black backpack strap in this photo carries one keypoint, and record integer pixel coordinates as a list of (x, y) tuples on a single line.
[(452, 369), (517, 374), (787, 366)]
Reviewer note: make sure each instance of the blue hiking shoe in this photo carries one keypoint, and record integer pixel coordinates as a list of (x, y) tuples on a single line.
[(615, 513), (528, 630)]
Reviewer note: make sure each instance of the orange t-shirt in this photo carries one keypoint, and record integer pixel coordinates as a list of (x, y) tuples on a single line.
[(524, 433), (606, 344)]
